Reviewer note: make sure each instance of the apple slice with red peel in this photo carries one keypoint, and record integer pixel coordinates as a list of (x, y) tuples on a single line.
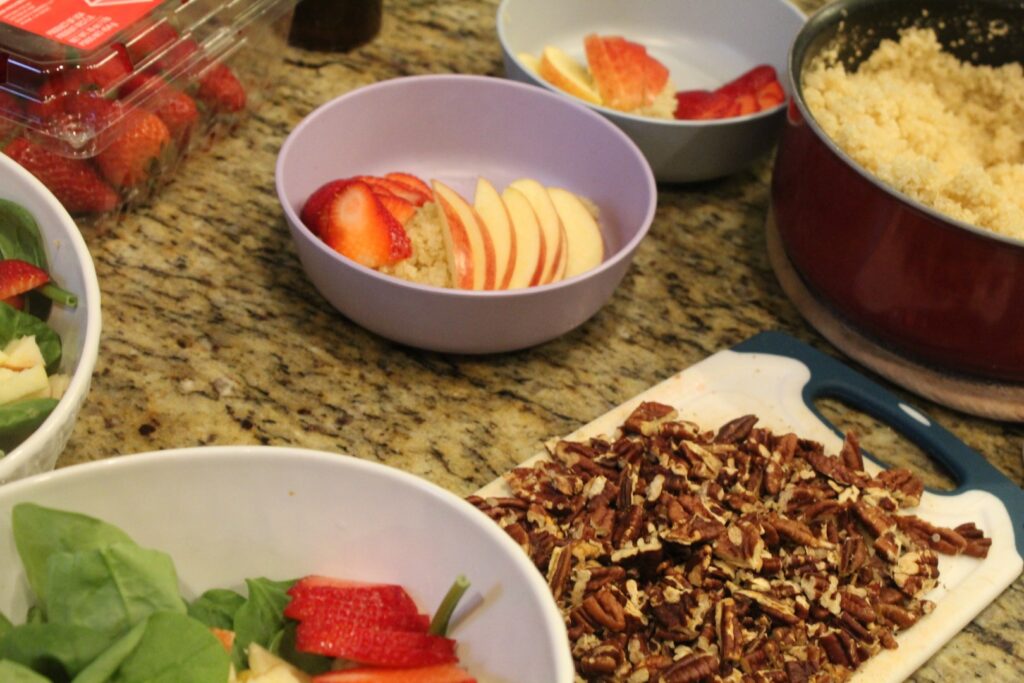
[(471, 259), (397, 188), (583, 235), (565, 73), (550, 225), (495, 218), (530, 247)]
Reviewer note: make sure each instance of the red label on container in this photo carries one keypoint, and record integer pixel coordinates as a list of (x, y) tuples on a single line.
[(84, 24)]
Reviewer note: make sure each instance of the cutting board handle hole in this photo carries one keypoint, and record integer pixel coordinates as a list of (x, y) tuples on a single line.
[(884, 443)]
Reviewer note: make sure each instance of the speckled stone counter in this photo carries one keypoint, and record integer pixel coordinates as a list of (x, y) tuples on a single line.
[(213, 335)]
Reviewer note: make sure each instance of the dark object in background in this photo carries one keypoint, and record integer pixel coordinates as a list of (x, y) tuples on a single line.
[(335, 25)]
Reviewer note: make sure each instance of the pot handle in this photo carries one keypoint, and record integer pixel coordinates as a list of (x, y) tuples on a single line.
[(830, 378)]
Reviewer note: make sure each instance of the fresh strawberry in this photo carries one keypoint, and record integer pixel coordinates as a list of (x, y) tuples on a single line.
[(221, 90), (770, 95), (406, 191), (18, 277), (377, 647), (179, 54), (358, 226), (401, 209), (743, 104), (750, 81), (320, 598), (113, 67), (17, 302), (178, 111), (442, 673), (158, 37), (655, 78), (74, 182), (131, 157), (412, 181), (701, 105), (313, 213)]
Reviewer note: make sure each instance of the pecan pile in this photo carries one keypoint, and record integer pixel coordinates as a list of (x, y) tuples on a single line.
[(678, 555)]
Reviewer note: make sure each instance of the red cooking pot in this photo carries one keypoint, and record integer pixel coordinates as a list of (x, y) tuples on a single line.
[(935, 290)]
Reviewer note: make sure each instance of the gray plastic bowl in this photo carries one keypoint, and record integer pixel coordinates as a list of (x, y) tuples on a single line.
[(457, 128), (704, 44)]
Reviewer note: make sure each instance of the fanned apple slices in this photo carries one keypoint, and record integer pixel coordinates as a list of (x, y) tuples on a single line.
[(526, 235)]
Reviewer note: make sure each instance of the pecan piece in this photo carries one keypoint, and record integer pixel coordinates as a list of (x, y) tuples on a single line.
[(730, 645), (647, 417), (605, 609), (690, 669), (736, 430)]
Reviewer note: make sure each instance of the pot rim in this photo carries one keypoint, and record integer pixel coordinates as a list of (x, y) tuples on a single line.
[(822, 19)]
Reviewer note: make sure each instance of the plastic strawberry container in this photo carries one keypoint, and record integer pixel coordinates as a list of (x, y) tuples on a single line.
[(101, 99)]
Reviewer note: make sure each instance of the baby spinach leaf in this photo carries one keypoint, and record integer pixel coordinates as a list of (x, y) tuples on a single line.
[(15, 324), (175, 648), (40, 532), (103, 667), (18, 420), (10, 672), (19, 235), (35, 615), (5, 624), (111, 588), (261, 617), (44, 647), (217, 608)]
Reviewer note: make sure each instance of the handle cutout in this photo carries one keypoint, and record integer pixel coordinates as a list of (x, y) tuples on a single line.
[(887, 446)]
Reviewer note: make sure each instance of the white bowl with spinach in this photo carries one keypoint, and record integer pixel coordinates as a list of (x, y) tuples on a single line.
[(35, 228), (188, 538)]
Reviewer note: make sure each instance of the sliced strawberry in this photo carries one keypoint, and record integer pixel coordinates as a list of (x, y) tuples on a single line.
[(221, 90), (655, 78), (617, 67), (703, 107), (412, 181), (74, 182), (398, 188), (751, 81), (770, 95), (378, 647), (18, 277), (743, 104), (158, 37), (401, 209), (358, 226), (314, 214), (17, 302), (319, 597), (132, 156), (442, 673)]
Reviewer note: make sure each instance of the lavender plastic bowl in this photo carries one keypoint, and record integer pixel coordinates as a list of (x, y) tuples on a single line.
[(456, 129)]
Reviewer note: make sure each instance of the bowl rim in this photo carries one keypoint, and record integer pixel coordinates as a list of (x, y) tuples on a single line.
[(624, 251), (82, 376), (291, 456), (823, 19), (637, 119)]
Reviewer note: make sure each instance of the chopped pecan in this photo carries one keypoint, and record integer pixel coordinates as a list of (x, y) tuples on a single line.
[(690, 669), (850, 453), (905, 486), (736, 430), (730, 644), (646, 418), (605, 609)]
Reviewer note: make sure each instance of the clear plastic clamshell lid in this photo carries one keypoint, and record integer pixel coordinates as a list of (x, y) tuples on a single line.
[(70, 70)]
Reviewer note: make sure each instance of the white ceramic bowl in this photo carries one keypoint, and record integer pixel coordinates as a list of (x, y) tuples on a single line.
[(79, 328), (229, 513), (456, 128), (704, 44)]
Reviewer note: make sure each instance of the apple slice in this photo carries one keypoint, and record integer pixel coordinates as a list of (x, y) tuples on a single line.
[(470, 249), (494, 215), (582, 233), (550, 226), (529, 262), (529, 61), (565, 73)]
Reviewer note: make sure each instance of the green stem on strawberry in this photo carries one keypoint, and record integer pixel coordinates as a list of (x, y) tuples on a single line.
[(58, 295), (439, 624)]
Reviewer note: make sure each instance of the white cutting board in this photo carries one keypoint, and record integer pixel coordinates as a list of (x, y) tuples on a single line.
[(777, 378)]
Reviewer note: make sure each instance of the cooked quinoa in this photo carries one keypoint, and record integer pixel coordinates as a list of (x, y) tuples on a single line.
[(428, 264), (946, 133)]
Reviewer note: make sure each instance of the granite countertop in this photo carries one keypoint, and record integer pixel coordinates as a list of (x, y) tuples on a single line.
[(213, 335)]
